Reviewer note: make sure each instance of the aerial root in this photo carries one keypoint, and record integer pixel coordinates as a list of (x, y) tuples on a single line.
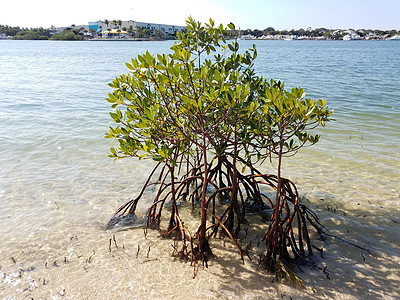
[(286, 238), (283, 271)]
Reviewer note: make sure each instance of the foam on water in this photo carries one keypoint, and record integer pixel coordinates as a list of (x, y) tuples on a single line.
[(58, 188)]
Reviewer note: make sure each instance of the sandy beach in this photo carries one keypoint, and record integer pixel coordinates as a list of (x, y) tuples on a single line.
[(83, 261)]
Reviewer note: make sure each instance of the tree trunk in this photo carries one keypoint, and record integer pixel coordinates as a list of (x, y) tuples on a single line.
[(203, 243)]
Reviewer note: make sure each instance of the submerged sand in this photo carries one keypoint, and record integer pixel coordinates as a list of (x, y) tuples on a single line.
[(66, 260)]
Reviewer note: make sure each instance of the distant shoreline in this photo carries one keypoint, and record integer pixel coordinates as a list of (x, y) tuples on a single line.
[(162, 40), (128, 40)]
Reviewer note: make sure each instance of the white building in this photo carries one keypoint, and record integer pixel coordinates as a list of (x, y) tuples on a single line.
[(351, 36), (58, 30), (101, 27), (131, 25), (248, 37), (395, 37)]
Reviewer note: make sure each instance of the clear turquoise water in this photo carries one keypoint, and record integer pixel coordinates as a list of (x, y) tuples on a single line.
[(57, 181)]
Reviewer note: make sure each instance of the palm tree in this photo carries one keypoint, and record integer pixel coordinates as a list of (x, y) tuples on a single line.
[(106, 22), (158, 34), (130, 31), (40, 31), (139, 31)]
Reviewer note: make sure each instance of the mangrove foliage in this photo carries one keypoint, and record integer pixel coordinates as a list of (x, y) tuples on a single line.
[(209, 122)]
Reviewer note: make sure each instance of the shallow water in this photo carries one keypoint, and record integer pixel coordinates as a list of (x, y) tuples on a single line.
[(58, 188)]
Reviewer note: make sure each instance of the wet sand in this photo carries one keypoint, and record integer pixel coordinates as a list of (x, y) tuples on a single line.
[(69, 260)]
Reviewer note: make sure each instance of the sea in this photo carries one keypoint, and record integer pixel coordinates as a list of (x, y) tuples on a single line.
[(58, 187)]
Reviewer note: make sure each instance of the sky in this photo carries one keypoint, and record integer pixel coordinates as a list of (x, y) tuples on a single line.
[(247, 14)]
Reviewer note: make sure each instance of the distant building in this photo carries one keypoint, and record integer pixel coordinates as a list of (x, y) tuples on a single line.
[(395, 37), (94, 26), (248, 37), (167, 29), (58, 30), (131, 25), (352, 35)]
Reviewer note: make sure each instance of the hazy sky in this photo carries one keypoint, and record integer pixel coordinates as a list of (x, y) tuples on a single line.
[(253, 14)]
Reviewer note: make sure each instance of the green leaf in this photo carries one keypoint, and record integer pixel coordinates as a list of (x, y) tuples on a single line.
[(113, 152), (211, 22), (173, 162), (157, 157), (236, 46), (130, 66)]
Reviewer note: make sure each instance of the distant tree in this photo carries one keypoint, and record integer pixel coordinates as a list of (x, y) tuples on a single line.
[(31, 34), (247, 32), (327, 35), (92, 32), (139, 32), (146, 32), (106, 22), (337, 35), (67, 35), (301, 32), (158, 34), (130, 30), (270, 31), (25, 33), (41, 31), (392, 32), (257, 33), (360, 32)]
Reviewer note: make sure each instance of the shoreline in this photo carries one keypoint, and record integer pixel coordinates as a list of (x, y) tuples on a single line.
[(161, 40), (127, 40), (153, 40)]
